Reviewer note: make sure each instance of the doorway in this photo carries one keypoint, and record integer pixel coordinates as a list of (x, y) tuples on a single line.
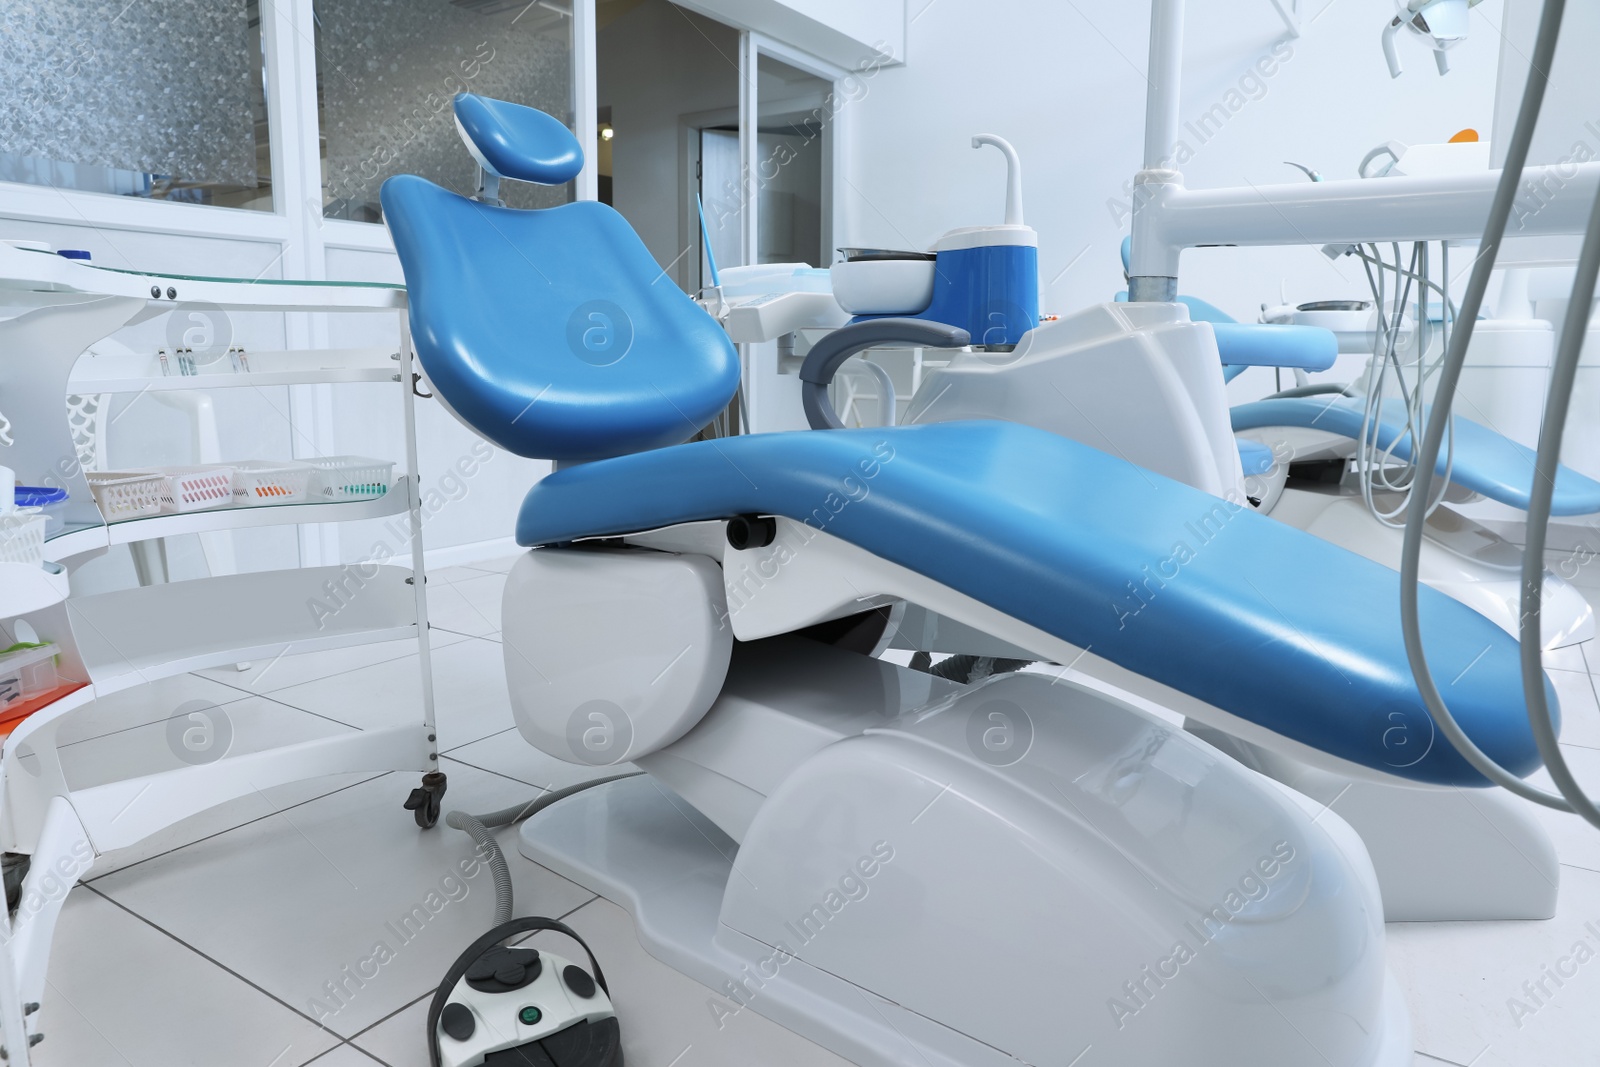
[(682, 164)]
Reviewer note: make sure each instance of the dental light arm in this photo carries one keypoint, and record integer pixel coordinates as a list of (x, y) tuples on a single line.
[(1013, 175), (1442, 24), (829, 354), (1390, 55)]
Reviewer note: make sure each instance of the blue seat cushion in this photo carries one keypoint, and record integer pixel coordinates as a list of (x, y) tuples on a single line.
[(1245, 613), (1482, 460)]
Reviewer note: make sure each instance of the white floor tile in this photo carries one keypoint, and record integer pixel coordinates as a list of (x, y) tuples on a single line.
[(342, 907), (268, 676), (400, 1040), (345, 1056), (1577, 843), (508, 754), (1580, 711), (501, 565), (121, 993), (1465, 982), (469, 692), (452, 575), (468, 607)]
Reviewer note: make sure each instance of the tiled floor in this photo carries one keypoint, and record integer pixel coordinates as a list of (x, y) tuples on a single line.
[(225, 940)]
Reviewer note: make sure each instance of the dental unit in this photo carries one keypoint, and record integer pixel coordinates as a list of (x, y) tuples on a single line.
[(1120, 378), (809, 812)]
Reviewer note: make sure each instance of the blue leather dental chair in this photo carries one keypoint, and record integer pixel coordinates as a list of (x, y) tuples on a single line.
[(873, 857), (1481, 460)]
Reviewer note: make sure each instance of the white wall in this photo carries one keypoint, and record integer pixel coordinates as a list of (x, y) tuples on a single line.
[(844, 32), (1065, 83)]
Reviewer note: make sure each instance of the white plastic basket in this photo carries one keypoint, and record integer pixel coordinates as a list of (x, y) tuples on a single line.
[(27, 673), (22, 536), (124, 495), (258, 483), (350, 478), (186, 489)]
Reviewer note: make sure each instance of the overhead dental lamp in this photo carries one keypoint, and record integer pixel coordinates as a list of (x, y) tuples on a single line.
[(1441, 24)]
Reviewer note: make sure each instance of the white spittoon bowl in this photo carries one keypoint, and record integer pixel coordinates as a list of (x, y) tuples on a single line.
[(883, 286)]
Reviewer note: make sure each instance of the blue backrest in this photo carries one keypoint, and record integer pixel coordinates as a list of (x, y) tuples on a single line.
[(553, 333)]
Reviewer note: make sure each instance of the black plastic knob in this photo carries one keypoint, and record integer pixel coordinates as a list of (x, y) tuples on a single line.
[(578, 980), (752, 531), (456, 1021)]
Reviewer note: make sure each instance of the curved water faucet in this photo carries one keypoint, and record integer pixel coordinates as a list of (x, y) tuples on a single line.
[(1013, 175)]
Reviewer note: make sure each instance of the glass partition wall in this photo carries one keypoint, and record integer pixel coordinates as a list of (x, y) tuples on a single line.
[(387, 71), (170, 102), (109, 97)]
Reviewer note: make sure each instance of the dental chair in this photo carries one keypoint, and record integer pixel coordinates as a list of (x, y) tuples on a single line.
[(1140, 382), (897, 867), (1306, 434)]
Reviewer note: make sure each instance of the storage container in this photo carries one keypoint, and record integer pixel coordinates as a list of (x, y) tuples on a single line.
[(51, 502), (350, 478), (187, 489), (27, 673), (259, 482), (124, 495), (22, 536)]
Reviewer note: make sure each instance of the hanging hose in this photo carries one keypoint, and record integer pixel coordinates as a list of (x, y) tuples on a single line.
[(490, 849), (478, 828), (1558, 402), (1450, 375)]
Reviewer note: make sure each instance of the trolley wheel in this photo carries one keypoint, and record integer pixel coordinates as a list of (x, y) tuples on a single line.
[(425, 801)]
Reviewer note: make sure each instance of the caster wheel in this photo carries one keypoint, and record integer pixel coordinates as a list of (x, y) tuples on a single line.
[(425, 800)]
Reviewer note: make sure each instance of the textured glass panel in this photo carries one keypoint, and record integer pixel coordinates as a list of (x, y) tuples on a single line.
[(140, 99), (387, 71)]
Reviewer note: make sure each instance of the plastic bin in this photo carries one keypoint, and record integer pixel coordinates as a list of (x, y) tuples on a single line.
[(258, 482), (350, 478), (50, 501), (22, 536), (187, 489), (124, 495), (27, 673)]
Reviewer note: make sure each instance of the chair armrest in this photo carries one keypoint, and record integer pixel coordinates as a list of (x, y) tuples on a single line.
[(1308, 348)]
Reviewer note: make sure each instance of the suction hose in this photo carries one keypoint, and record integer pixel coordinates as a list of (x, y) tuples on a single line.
[(478, 828), (1571, 797)]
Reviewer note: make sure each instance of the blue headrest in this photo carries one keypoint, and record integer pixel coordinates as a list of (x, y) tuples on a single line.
[(513, 141), (554, 333)]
